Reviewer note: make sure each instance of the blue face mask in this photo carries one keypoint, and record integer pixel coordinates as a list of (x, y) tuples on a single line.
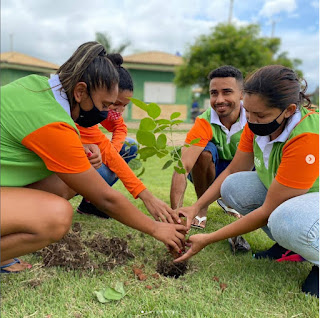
[(265, 129), (92, 117)]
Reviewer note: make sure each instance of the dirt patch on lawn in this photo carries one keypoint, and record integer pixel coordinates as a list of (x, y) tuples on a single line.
[(167, 268), (116, 250), (72, 252)]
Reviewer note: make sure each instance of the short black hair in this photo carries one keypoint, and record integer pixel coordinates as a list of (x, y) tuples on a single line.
[(226, 71)]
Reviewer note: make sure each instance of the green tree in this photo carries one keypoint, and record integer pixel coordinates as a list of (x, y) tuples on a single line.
[(242, 47), (105, 40)]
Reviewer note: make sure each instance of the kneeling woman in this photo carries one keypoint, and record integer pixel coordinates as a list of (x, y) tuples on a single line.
[(43, 161), (281, 139)]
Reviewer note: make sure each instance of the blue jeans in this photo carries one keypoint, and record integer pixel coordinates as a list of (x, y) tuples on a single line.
[(219, 164), (294, 224), (127, 153)]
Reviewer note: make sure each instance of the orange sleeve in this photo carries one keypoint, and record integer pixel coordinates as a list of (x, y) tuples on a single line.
[(201, 129), (246, 140), (119, 131), (299, 167), (117, 164), (93, 135), (60, 148)]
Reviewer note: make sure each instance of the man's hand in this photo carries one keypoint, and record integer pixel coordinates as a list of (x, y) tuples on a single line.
[(158, 209), (93, 153), (196, 243)]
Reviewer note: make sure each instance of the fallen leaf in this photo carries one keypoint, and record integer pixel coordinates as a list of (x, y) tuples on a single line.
[(142, 277), (155, 275), (215, 278), (100, 296), (137, 271), (111, 294), (148, 287), (223, 286)]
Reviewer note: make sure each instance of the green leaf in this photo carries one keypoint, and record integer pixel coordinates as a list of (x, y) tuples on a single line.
[(176, 153), (160, 128), (111, 294), (194, 141), (163, 122), (120, 288), (147, 124), (179, 170), (141, 173), (177, 122), (135, 164), (186, 145), (139, 103), (162, 153), (154, 110), (167, 164), (100, 296), (175, 115), (161, 141), (146, 138), (147, 152), (180, 164)]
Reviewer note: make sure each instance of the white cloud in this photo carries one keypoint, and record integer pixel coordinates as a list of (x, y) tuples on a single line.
[(304, 46), (273, 7), (52, 30)]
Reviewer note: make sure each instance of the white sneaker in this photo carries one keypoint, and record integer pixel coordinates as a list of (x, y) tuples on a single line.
[(228, 210)]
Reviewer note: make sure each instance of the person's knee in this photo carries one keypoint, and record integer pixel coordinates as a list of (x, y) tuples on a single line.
[(229, 186), (59, 222), (204, 160)]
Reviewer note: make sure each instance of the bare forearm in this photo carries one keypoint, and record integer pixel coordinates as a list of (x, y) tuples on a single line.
[(178, 187), (121, 209), (246, 224)]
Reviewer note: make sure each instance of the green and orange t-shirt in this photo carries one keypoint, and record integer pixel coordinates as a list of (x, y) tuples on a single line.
[(38, 135), (292, 158), (209, 128)]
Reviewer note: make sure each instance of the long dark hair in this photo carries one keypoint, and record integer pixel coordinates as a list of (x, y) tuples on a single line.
[(88, 64), (278, 85)]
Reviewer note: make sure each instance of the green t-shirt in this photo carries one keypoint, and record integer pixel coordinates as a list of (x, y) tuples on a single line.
[(27, 104)]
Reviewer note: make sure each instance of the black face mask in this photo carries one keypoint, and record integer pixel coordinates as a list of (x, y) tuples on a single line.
[(92, 117), (265, 129)]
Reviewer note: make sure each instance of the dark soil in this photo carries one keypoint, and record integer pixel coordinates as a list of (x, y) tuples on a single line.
[(167, 268), (115, 248), (71, 251)]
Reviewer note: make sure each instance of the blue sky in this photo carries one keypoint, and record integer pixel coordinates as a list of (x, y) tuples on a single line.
[(52, 30)]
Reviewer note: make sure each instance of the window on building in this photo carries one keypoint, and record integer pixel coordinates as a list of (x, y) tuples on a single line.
[(159, 92)]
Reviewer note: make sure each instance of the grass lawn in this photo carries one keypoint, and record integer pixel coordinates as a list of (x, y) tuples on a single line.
[(254, 288)]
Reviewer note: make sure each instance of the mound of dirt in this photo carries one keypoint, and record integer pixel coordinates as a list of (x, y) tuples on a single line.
[(70, 252), (115, 248), (167, 268)]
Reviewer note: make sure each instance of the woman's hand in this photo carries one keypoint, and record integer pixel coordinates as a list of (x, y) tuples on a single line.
[(169, 234), (195, 243), (93, 153), (158, 209), (189, 212)]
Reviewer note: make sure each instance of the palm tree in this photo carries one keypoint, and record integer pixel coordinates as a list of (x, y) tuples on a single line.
[(105, 40)]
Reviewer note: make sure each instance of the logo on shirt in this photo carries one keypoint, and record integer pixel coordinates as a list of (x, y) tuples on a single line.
[(257, 162), (310, 159)]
